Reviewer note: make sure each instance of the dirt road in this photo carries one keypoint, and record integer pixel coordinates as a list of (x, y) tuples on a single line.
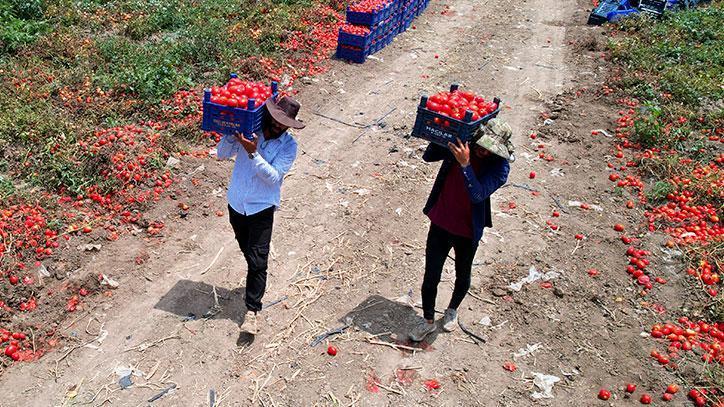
[(349, 241)]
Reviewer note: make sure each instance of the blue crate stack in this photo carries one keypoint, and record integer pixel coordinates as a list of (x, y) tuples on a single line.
[(395, 18), (613, 10)]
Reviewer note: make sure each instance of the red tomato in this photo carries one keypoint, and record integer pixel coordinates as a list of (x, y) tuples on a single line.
[(604, 394), (645, 399), (331, 350), (672, 388), (435, 107), (531, 175), (618, 227), (468, 96), (630, 388), (667, 397), (10, 350)]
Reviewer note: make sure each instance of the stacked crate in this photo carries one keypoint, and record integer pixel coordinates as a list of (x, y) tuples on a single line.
[(389, 19)]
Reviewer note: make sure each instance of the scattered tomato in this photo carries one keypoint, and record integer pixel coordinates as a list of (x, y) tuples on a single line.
[(604, 394)]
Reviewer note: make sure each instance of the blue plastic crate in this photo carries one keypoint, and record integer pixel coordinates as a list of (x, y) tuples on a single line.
[(439, 133), (420, 10), (230, 120), (370, 19), (352, 55), (359, 41), (610, 10), (364, 41), (382, 42)]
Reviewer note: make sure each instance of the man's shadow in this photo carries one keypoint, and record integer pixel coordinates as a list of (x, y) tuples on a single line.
[(192, 300), (387, 320)]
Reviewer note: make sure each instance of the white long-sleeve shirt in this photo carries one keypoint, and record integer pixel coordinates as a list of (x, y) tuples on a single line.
[(256, 183)]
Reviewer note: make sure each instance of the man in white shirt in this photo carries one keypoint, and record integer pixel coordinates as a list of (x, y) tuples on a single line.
[(254, 193)]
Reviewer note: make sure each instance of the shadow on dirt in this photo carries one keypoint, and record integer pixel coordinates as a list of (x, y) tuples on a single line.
[(195, 300), (388, 321)]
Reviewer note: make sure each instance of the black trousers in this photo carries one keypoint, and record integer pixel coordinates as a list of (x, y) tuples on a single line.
[(439, 243), (253, 233)]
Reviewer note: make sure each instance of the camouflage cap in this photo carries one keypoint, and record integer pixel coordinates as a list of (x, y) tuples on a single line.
[(495, 137)]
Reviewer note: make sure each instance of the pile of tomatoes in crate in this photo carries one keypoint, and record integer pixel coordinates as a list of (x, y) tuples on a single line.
[(369, 6), (354, 29), (455, 104), (236, 93)]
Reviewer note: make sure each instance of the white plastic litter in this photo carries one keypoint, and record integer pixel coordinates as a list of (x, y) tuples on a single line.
[(604, 132), (89, 247), (670, 254), (361, 191), (533, 275), (406, 299), (172, 162), (108, 282), (102, 337), (485, 321), (578, 205), (43, 272), (123, 371), (528, 157), (528, 350), (545, 383), (557, 172), (398, 211)]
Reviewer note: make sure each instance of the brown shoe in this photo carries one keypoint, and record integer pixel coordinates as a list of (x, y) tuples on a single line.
[(250, 326)]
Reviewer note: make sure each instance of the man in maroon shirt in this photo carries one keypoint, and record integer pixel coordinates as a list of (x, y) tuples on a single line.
[(459, 210)]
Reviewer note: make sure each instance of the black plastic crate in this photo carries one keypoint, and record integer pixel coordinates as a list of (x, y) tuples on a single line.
[(656, 7), (441, 129)]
